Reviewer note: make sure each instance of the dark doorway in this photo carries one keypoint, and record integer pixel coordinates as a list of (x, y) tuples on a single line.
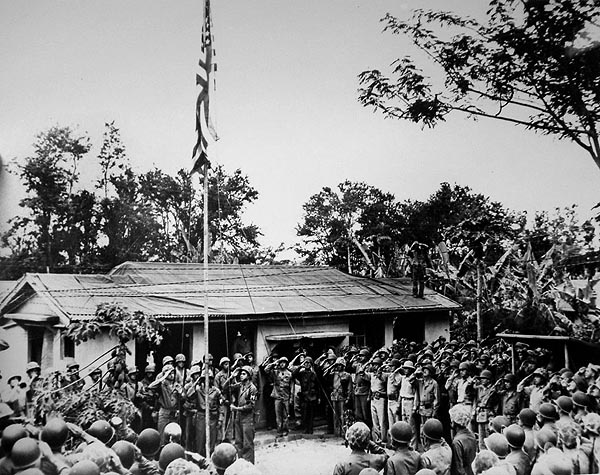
[(176, 339), (410, 326), (223, 336), (35, 337), (367, 331)]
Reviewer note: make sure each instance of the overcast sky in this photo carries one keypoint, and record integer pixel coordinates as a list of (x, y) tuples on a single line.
[(286, 102)]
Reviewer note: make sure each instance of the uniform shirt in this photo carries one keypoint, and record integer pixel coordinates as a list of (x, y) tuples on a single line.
[(520, 461), (438, 458), (511, 403), (405, 461), (214, 401), (378, 383), (342, 386), (407, 387), (362, 383), (464, 448), (357, 461), (282, 384), (308, 383), (536, 397), (246, 395), (529, 445), (464, 394), (167, 398), (394, 380), (428, 397)]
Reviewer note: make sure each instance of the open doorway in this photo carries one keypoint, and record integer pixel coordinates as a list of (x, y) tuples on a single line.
[(176, 339), (410, 326)]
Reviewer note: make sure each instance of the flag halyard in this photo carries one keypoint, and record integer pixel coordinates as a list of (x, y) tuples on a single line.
[(204, 126)]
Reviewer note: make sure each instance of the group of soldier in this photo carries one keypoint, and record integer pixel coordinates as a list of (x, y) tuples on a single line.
[(454, 407)]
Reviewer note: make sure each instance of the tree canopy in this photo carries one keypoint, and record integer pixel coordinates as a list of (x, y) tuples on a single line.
[(531, 63)]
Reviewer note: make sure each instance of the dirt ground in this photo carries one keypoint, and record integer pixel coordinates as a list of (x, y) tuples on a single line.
[(300, 457)]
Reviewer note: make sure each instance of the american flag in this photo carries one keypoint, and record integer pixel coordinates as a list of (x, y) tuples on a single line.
[(203, 120)]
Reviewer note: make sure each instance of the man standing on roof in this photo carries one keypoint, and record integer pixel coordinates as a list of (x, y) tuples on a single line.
[(282, 391)]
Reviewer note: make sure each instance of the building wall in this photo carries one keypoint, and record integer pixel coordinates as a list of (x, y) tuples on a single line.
[(88, 351), (437, 325), (14, 359)]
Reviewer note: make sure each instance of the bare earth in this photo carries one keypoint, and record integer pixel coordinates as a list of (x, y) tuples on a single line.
[(300, 457)]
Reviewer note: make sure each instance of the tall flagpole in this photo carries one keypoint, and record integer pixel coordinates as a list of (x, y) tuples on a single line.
[(206, 369)]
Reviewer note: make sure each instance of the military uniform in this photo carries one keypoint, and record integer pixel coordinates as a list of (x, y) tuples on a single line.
[(362, 388), (358, 460), (214, 403), (487, 407), (340, 397), (405, 461), (309, 394), (464, 448), (394, 380), (282, 392), (245, 394), (520, 461), (510, 402), (438, 458), (427, 399)]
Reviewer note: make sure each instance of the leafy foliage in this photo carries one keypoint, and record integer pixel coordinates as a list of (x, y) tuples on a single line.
[(531, 64)]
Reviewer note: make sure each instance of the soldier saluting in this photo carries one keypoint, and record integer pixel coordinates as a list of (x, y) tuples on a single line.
[(245, 395)]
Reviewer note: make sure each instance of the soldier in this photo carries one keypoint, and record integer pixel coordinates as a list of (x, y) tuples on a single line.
[(378, 400), (533, 387), (393, 381), (427, 400), (214, 403), (10, 436), (405, 460), (515, 436), (190, 408), (180, 369), (565, 408), (74, 382), (419, 261), (245, 394), (168, 398), (15, 395), (33, 389), (226, 418), (486, 405), (147, 398), (95, 382), (437, 455), (362, 388), (527, 421), (407, 394), (510, 398), (358, 438), (464, 443), (131, 388), (282, 390), (309, 392), (341, 383), (460, 386)]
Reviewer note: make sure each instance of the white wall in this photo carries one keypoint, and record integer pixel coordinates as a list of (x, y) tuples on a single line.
[(88, 351), (198, 346), (14, 359), (437, 326)]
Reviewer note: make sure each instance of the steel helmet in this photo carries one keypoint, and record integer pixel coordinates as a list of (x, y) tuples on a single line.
[(148, 442), (433, 429), (364, 352), (510, 378), (486, 374), (223, 456), (544, 437), (180, 358), (167, 360), (460, 414), (210, 373), (170, 452), (247, 369), (102, 430), (25, 453), (150, 369), (464, 365), (172, 432), (125, 451), (10, 435), (308, 359), (55, 433), (426, 471), (132, 369), (548, 411), (401, 432), (581, 399), (498, 423), (283, 359), (195, 370), (32, 365), (527, 417), (5, 410), (31, 471), (84, 467), (340, 361), (358, 435), (515, 436), (225, 359), (498, 444), (564, 403)]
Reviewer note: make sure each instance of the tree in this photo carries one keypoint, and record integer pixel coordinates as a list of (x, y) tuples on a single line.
[(531, 64), (349, 228)]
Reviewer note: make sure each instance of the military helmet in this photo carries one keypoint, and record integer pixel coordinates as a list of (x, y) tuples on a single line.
[(581, 399), (167, 359), (340, 361), (125, 451), (358, 435), (84, 467), (464, 365), (564, 403), (548, 411), (527, 417), (101, 430), (180, 358), (364, 352), (172, 432), (55, 433), (31, 471), (498, 444), (195, 370), (150, 369), (515, 436), (225, 359), (25, 453), (545, 436), (148, 442), (460, 414), (510, 378), (32, 365), (433, 429), (223, 456), (426, 471), (170, 452), (486, 374), (132, 369), (10, 435), (401, 432), (283, 359), (498, 423), (247, 369)]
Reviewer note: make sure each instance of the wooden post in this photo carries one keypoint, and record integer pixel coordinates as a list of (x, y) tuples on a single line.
[(566, 350), (205, 268), (513, 360)]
